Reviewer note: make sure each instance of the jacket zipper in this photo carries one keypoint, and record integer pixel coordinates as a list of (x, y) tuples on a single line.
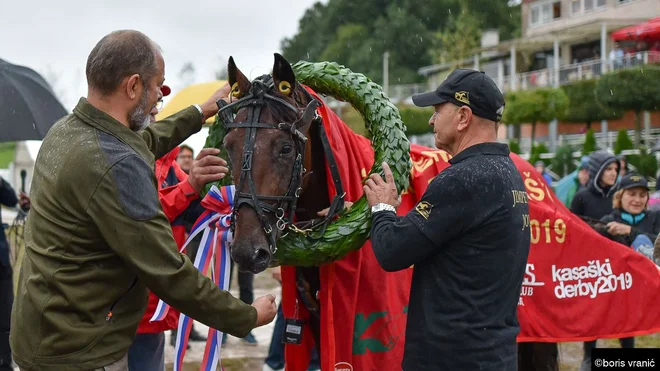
[(108, 316)]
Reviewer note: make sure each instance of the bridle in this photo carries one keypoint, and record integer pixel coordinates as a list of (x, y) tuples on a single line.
[(283, 207)]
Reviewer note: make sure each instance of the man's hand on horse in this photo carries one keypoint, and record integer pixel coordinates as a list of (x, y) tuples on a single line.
[(207, 167), (378, 190), (266, 309), (210, 107)]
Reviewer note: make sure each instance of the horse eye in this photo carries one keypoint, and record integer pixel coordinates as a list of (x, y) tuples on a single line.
[(287, 149)]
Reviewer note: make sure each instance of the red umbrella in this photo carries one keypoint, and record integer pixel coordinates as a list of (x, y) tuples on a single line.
[(649, 30)]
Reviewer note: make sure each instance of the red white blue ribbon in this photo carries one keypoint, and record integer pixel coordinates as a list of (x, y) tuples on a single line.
[(213, 251)]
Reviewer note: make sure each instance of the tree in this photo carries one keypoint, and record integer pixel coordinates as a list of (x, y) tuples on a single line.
[(534, 106), (416, 120), (583, 105), (536, 152), (589, 143), (623, 142), (633, 89), (460, 37), (405, 28), (562, 164), (514, 146)]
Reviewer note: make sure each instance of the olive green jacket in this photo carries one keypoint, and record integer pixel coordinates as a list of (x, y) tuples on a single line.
[(96, 238)]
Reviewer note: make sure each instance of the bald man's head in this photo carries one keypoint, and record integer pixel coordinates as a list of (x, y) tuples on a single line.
[(118, 55)]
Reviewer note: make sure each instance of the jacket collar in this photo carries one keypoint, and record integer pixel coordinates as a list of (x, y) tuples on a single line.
[(108, 124), (490, 148), (164, 163)]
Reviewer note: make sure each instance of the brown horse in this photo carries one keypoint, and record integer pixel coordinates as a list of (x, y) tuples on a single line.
[(278, 160), (278, 154)]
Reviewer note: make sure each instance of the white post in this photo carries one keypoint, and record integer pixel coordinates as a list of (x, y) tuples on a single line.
[(500, 74), (386, 74), (476, 62), (556, 62), (603, 48), (605, 134), (647, 129), (512, 74), (552, 130)]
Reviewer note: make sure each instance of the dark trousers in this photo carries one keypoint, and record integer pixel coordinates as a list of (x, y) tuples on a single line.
[(6, 302), (245, 285), (625, 343)]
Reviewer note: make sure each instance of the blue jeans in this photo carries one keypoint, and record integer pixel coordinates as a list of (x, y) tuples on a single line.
[(275, 357), (147, 352)]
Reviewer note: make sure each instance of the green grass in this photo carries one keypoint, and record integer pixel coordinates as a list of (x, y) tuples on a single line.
[(6, 154)]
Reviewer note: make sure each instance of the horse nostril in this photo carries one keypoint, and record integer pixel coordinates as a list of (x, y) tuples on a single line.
[(263, 256)]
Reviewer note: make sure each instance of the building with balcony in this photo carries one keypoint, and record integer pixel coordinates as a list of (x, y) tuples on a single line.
[(576, 37)]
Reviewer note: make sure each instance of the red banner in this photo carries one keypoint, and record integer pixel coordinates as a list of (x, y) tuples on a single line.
[(578, 285)]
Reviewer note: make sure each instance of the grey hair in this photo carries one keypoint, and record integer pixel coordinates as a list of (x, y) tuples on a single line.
[(118, 55)]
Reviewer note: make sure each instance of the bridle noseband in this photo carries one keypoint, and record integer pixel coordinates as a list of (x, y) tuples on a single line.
[(284, 207)]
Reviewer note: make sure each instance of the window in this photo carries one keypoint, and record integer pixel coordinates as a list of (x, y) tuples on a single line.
[(588, 5), (576, 6), (585, 6), (545, 12)]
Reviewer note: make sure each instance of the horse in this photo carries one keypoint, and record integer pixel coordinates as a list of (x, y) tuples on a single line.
[(277, 153), (277, 159)]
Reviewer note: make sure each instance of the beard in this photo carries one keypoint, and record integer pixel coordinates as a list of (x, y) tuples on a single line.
[(138, 119)]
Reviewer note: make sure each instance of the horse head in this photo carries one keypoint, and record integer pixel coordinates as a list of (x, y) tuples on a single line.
[(266, 143)]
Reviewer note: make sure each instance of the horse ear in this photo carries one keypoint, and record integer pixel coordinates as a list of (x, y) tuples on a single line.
[(283, 77), (240, 84)]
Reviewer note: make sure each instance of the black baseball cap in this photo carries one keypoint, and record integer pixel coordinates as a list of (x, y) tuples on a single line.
[(632, 180), (466, 87)]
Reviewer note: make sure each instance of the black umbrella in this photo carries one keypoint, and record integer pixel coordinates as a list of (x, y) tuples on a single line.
[(28, 106)]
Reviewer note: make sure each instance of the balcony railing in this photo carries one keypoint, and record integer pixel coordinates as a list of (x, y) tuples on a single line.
[(542, 78), (577, 71)]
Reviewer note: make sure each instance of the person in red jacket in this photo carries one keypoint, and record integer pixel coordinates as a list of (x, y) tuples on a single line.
[(178, 192)]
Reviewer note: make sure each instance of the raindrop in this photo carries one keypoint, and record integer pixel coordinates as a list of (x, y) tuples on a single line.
[(307, 55), (449, 11), (34, 126), (611, 92)]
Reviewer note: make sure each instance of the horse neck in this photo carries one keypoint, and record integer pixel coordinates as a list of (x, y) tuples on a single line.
[(314, 196)]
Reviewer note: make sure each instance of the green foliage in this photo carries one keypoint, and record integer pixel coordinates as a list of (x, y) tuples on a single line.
[(645, 163), (535, 155), (514, 146), (461, 36), (631, 89), (416, 120), (357, 33), (562, 164), (537, 105), (7, 151), (533, 106), (583, 105), (589, 143), (622, 142)]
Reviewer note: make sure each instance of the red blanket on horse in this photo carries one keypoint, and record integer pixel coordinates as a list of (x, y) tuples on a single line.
[(572, 270)]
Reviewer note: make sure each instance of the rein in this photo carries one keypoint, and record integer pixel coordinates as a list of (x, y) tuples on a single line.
[(283, 207)]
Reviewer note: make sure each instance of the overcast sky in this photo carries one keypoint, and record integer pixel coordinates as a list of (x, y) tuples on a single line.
[(55, 37)]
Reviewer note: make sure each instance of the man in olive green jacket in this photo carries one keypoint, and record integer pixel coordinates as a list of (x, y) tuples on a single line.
[(96, 237)]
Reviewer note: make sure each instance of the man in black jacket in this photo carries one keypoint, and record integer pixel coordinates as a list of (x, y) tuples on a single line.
[(467, 237)]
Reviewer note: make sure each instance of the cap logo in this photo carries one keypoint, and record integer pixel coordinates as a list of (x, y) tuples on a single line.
[(424, 209), (462, 96), (636, 178)]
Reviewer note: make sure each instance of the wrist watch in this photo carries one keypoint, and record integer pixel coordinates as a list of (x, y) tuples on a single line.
[(381, 206), (199, 108)]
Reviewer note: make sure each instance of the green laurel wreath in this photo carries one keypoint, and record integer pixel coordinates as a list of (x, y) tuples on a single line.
[(351, 230)]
